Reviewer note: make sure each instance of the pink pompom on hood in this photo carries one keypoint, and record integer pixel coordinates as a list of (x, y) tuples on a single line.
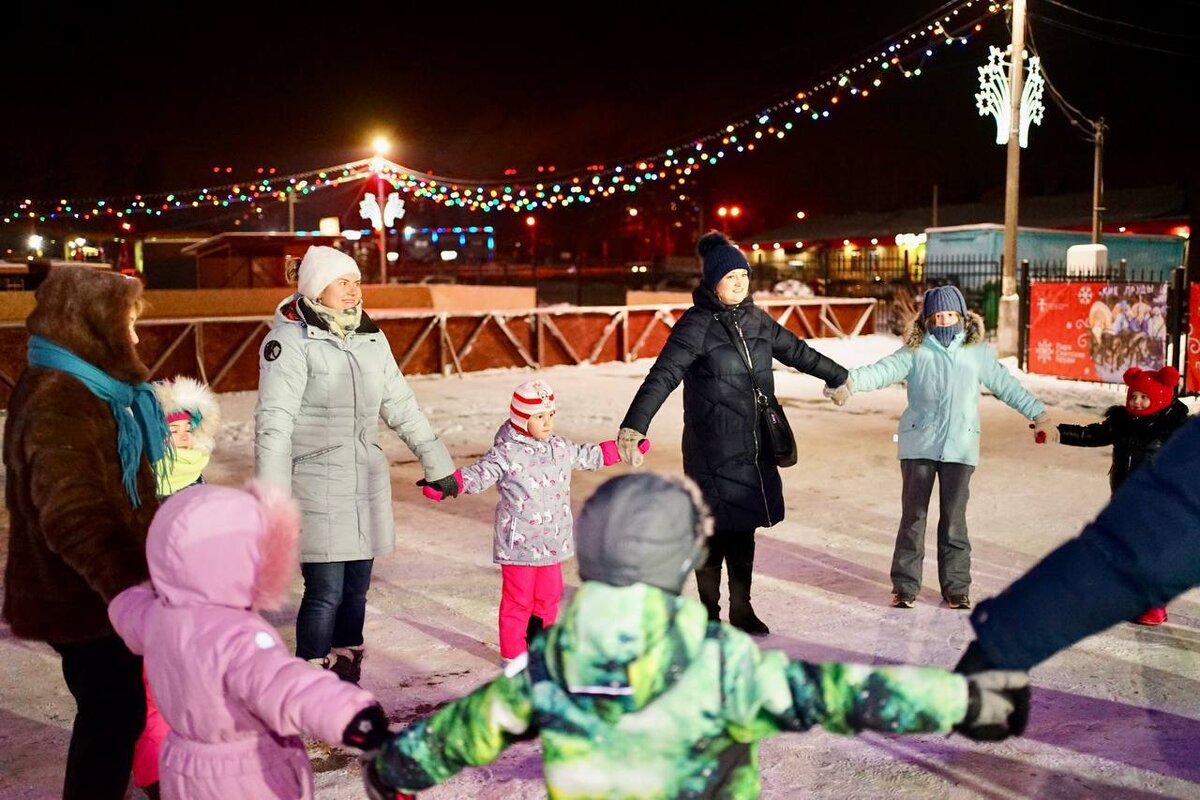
[(218, 545)]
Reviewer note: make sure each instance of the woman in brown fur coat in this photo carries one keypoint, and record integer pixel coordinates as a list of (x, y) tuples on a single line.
[(80, 495)]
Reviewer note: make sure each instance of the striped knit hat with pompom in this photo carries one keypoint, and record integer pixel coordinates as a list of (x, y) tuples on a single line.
[(531, 397)]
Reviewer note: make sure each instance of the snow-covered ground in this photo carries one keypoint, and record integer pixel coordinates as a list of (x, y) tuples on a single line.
[(1117, 716)]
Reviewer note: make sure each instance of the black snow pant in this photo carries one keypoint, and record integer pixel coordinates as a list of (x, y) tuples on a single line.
[(110, 698), (953, 546)]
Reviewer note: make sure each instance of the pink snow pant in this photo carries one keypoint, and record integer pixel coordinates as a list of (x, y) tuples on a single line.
[(145, 751), (526, 591)]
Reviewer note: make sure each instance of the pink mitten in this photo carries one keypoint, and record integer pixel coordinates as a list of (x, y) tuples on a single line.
[(612, 455), (437, 490)]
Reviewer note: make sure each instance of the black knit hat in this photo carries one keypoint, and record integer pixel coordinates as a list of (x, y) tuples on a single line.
[(720, 257)]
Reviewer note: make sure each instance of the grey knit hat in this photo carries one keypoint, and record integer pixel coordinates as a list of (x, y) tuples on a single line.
[(719, 257), (642, 527), (943, 298)]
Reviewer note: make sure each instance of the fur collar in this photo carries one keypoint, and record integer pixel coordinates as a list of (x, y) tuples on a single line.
[(972, 324), (86, 310)]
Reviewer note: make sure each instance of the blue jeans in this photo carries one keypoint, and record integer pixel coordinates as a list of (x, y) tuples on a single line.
[(333, 607)]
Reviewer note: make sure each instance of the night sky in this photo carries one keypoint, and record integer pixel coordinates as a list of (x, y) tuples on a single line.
[(103, 105)]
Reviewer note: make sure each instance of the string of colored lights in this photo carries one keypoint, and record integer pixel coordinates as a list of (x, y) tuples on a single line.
[(904, 57)]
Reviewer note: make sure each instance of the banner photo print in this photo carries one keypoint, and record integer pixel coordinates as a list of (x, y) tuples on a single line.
[(1094, 331)]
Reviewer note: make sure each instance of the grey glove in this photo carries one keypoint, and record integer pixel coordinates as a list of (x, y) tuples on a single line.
[(627, 445), (997, 705), (840, 394)]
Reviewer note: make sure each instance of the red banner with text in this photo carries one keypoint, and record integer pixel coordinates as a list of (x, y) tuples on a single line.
[(1094, 331)]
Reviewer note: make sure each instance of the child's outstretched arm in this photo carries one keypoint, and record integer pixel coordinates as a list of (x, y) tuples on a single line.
[(1097, 434), (291, 696), (768, 694), (884, 372), (469, 732), (127, 613), (598, 456)]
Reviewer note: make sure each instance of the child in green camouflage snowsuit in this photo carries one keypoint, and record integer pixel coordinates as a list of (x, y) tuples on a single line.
[(634, 693)]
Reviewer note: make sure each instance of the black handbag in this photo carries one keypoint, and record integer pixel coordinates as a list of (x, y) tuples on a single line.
[(777, 437), (777, 431)]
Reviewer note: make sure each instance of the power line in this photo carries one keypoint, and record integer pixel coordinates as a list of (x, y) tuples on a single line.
[(1122, 23), (1110, 39)]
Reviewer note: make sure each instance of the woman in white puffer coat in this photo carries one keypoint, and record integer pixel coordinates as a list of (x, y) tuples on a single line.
[(327, 375)]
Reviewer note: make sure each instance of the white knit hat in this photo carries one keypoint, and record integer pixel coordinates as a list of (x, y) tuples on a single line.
[(531, 397), (322, 266)]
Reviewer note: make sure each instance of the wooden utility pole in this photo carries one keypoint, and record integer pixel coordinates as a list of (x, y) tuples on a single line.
[(1006, 329)]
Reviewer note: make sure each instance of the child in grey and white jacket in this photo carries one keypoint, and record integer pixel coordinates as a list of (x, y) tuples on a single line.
[(531, 467)]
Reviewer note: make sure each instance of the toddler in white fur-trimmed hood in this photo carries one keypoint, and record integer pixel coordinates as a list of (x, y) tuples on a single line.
[(194, 416)]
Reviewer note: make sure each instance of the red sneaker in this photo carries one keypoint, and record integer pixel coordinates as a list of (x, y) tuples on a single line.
[(1155, 616)]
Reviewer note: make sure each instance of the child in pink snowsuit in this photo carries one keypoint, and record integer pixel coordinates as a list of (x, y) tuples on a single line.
[(193, 417), (531, 467), (236, 701)]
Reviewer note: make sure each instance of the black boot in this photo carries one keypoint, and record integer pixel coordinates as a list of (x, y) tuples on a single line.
[(347, 663), (708, 582), (533, 628), (741, 572)]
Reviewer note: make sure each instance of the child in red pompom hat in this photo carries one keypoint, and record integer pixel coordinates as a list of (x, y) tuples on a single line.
[(531, 467), (1136, 431)]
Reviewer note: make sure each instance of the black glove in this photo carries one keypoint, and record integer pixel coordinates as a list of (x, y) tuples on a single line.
[(448, 486), (973, 660), (997, 705), (376, 788), (368, 730)]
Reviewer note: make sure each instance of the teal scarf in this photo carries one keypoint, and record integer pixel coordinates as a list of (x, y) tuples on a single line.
[(141, 424)]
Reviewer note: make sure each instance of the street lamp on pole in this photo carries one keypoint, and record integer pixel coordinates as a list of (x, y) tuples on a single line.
[(382, 146)]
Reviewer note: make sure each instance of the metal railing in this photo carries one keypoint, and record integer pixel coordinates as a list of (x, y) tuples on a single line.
[(223, 351)]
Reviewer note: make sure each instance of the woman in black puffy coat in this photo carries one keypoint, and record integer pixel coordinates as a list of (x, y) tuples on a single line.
[(723, 448)]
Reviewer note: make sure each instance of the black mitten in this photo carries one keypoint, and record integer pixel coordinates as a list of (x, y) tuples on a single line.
[(368, 730), (448, 486), (375, 787), (973, 660), (997, 705)]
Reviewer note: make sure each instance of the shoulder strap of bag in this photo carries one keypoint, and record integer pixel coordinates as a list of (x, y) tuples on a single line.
[(759, 394)]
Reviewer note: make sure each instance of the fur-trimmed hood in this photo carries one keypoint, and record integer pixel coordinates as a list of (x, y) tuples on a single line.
[(216, 545), (86, 310), (972, 324), (188, 394)]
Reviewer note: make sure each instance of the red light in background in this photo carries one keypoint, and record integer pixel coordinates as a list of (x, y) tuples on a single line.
[(530, 221)]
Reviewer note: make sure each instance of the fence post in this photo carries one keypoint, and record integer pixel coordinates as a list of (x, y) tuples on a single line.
[(1177, 309), (1022, 313)]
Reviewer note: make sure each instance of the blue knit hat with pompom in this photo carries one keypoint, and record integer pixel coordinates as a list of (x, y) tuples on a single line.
[(720, 257)]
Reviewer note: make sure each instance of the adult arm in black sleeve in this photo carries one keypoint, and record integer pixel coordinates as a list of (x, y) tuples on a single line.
[(683, 346), (791, 350)]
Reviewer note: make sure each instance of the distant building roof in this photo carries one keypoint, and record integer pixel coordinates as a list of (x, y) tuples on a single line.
[(1122, 207), (255, 243)]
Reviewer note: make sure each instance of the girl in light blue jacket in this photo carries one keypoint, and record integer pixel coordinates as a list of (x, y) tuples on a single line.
[(944, 360)]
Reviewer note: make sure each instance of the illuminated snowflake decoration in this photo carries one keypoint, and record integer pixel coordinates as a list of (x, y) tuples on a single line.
[(994, 98), (1045, 350), (1085, 295)]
